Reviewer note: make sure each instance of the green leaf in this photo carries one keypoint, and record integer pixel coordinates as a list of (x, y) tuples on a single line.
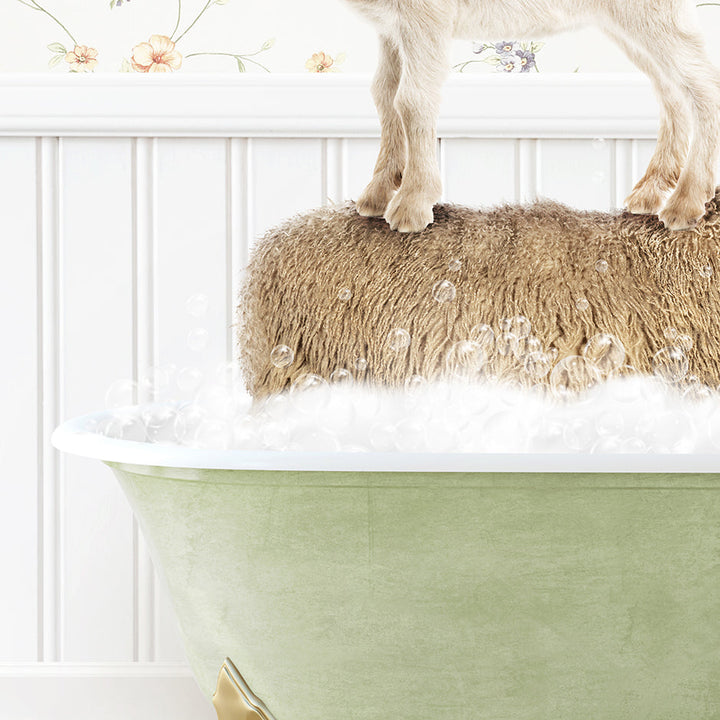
[(240, 64), (55, 60), (57, 48), (268, 44)]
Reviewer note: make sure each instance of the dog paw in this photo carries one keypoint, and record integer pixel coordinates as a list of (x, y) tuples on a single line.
[(374, 199), (409, 212), (645, 199), (682, 212)]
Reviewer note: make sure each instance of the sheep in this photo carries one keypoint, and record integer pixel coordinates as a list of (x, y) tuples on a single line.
[(661, 37), (332, 285)]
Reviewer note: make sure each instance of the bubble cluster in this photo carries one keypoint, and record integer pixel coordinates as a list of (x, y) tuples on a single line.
[(444, 291)]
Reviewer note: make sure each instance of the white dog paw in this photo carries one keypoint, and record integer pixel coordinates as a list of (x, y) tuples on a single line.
[(683, 211), (408, 212)]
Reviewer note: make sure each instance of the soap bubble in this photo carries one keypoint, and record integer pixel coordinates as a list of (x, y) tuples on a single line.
[(582, 304), (187, 420), (197, 304), (341, 376), (537, 365), (282, 356), (360, 364), (382, 437), (572, 375), (398, 339), (213, 433), (684, 342), (415, 383), (610, 423), (455, 265), (197, 339), (484, 336), (155, 381), (124, 426), (310, 393), (216, 400), (465, 357), (670, 334), (605, 351), (344, 294), (706, 271), (519, 326), (529, 345), (506, 343), (601, 266), (713, 428), (670, 364), (189, 379), (444, 291), (579, 434), (159, 419), (121, 393)]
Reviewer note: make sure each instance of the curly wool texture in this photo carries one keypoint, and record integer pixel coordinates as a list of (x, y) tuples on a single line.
[(534, 260)]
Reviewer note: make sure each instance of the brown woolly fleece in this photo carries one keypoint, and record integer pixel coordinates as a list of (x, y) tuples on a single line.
[(534, 260)]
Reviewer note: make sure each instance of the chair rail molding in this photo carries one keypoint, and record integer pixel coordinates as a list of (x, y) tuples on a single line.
[(479, 105)]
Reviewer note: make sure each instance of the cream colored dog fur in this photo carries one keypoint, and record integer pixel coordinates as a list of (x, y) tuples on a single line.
[(660, 36)]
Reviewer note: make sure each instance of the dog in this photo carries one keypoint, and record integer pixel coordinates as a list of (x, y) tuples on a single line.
[(661, 37)]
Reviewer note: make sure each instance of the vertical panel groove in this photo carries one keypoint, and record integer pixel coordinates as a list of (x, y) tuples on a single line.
[(50, 403), (332, 178), (239, 228), (145, 353), (623, 172), (527, 169)]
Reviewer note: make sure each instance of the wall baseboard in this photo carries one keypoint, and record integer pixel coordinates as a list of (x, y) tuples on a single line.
[(111, 691), (474, 105)]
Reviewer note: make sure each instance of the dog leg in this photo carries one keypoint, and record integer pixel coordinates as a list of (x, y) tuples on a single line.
[(390, 163), (424, 52), (665, 167), (681, 49)]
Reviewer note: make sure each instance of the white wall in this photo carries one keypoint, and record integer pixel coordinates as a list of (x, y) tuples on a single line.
[(300, 29), (110, 217)]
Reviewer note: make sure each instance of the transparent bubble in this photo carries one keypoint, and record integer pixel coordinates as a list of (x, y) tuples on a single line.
[(684, 342), (444, 291), (187, 419), (189, 379), (538, 365), (313, 439), (601, 266), (409, 435), (670, 364), (197, 304), (213, 433), (530, 345), (605, 351), (244, 432), (465, 357), (553, 353), (282, 356), (310, 393), (610, 422), (398, 339), (344, 294), (507, 344), (229, 374), (519, 326), (415, 384), (706, 271), (713, 428), (360, 364), (275, 435), (216, 400), (697, 392), (341, 376), (382, 437), (599, 144), (159, 419), (670, 334), (124, 426), (197, 339), (484, 336), (455, 265), (582, 304), (573, 375), (155, 381), (121, 393)]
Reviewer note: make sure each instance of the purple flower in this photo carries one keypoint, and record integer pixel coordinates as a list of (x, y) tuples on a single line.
[(506, 47), (527, 60), (508, 63)]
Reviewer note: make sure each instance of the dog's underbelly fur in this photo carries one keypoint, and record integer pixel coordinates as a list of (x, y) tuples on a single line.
[(487, 19)]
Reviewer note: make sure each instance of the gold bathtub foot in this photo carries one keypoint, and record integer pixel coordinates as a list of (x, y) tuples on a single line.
[(234, 700)]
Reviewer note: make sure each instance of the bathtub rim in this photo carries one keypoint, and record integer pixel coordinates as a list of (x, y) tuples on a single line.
[(74, 438)]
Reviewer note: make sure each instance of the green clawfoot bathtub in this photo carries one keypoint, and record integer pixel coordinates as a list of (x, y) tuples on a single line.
[(361, 586)]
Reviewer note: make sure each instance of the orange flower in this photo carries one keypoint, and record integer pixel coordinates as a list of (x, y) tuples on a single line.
[(319, 62), (82, 58), (156, 55)]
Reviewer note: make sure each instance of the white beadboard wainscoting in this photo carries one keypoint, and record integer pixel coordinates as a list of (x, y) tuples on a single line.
[(120, 196)]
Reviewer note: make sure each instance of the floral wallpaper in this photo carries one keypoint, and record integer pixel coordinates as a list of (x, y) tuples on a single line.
[(319, 36)]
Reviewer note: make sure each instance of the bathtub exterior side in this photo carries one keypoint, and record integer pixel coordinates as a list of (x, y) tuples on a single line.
[(402, 595)]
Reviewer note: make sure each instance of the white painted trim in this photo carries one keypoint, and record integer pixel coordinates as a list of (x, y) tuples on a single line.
[(111, 691), (327, 106)]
